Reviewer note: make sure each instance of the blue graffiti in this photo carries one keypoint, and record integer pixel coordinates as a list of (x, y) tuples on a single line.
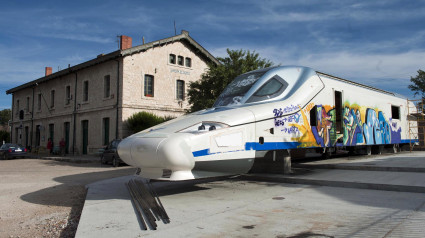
[(291, 130), (291, 118), (377, 130), (279, 112)]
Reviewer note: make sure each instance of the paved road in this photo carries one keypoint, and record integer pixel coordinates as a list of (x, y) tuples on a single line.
[(39, 197)]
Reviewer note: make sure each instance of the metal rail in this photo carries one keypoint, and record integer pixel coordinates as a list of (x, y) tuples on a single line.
[(147, 204)]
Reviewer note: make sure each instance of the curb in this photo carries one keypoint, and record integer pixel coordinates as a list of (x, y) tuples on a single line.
[(359, 167), (359, 185), (67, 159)]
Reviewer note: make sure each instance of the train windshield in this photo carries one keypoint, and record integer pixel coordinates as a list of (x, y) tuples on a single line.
[(236, 90)]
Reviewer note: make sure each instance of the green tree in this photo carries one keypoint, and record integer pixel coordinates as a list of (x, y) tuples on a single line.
[(143, 120), (418, 84), (203, 93), (5, 116)]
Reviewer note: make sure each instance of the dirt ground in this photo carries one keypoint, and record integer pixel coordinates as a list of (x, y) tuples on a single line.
[(44, 198)]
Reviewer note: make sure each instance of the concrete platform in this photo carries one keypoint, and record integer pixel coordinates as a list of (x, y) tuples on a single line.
[(263, 206)]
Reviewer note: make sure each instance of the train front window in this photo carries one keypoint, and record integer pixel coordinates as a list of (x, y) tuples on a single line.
[(271, 89), (236, 90)]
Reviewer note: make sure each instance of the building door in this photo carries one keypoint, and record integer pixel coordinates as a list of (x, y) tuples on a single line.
[(66, 127), (52, 132), (26, 136), (37, 135), (106, 131), (338, 117), (85, 127)]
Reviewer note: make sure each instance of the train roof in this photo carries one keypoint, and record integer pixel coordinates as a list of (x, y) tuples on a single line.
[(359, 84)]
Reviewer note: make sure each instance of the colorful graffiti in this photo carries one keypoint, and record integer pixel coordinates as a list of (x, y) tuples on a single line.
[(360, 126), (322, 130)]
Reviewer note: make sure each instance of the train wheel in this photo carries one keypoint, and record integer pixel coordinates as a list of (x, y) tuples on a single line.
[(115, 162), (395, 148), (368, 150), (102, 160)]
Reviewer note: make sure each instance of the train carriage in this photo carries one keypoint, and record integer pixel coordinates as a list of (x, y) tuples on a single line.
[(277, 108)]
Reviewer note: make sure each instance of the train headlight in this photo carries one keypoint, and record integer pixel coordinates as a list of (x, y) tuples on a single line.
[(204, 127)]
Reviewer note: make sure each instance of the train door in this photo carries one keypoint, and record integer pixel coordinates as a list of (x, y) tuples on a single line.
[(336, 133)]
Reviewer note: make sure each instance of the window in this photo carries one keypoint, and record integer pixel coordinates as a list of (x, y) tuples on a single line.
[(172, 59), (107, 86), (105, 131), (237, 89), (148, 90), (67, 95), (271, 89), (39, 101), (180, 60), (180, 90), (28, 104), (395, 112), (17, 106), (188, 62), (86, 91), (52, 99)]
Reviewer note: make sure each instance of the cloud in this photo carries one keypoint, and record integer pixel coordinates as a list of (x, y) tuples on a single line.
[(387, 71)]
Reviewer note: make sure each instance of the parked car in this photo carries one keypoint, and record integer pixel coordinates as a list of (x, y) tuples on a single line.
[(10, 150), (110, 154)]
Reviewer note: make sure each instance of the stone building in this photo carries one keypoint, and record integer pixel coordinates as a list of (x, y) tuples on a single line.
[(88, 104)]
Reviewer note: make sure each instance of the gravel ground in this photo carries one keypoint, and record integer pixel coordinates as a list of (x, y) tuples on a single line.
[(43, 198)]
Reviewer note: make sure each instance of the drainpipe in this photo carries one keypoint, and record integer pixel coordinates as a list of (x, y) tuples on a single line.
[(75, 115), (11, 119), (32, 117), (118, 98)]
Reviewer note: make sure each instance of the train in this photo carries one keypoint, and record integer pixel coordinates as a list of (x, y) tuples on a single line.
[(271, 109)]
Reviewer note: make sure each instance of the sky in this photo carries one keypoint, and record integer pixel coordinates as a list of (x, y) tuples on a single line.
[(377, 43)]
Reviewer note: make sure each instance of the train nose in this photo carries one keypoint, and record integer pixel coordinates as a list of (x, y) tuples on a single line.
[(156, 154)]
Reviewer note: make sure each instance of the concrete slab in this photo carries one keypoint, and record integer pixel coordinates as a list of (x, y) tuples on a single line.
[(400, 162), (264, 206), (239, 208)]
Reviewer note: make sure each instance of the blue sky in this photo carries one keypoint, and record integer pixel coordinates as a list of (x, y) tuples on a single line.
[(378, 43)]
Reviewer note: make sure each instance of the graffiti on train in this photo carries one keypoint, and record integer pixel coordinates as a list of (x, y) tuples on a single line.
[(359, 126)]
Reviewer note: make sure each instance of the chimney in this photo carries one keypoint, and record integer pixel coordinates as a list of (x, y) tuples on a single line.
[(48, 71), (126, 42)]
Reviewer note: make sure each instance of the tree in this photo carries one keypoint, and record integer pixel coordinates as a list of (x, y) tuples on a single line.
[(5, 116), (418, 85), (203, 93)]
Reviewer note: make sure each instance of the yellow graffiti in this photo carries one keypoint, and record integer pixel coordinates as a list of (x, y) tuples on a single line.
[(308, 107), (307, 138)]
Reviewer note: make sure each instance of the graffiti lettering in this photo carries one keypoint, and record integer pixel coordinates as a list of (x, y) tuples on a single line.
[(279, 112), (290, 130)]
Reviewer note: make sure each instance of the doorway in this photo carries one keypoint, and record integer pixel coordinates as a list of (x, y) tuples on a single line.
[(338, 112), (85, 128), (67, 127)]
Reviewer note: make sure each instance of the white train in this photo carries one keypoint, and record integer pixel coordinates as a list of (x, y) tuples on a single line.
[(277, 108)]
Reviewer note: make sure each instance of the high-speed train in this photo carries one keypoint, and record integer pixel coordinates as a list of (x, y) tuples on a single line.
[(277, 108)]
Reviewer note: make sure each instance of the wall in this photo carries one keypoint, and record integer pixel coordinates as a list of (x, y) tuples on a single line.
[(155, 61)]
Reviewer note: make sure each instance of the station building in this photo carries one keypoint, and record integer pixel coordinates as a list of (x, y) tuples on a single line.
[(89, 103)]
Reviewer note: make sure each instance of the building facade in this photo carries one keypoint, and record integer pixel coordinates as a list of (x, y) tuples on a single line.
[(88, 104)]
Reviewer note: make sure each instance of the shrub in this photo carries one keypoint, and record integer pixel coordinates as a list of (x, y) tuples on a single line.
[(143, 120)]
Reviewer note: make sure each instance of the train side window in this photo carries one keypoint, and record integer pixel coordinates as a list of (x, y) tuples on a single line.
[(395, 112), (272, 88), (313, 116)]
